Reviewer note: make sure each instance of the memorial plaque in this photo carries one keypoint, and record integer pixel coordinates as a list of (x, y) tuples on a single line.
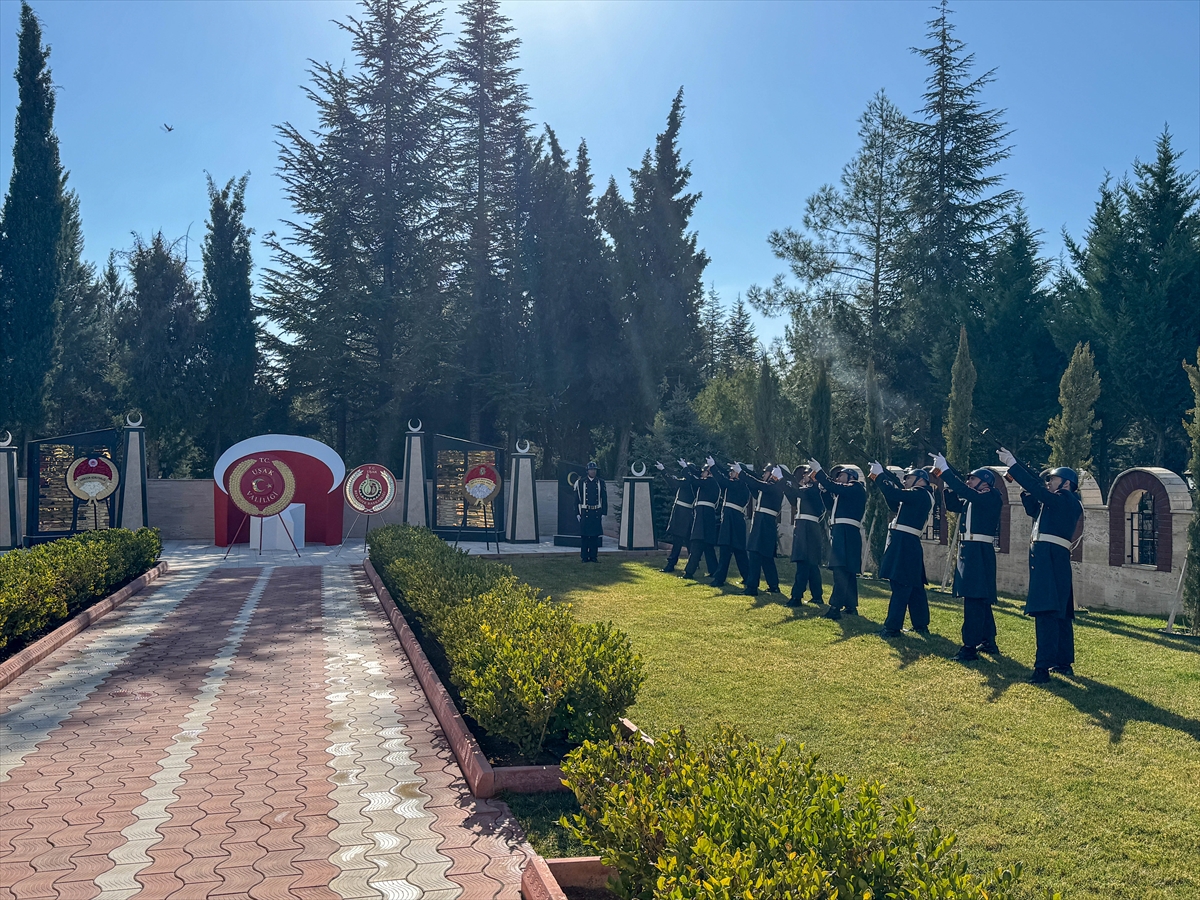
[(456, 511), (370, 489), (52, 509), (261, 486)]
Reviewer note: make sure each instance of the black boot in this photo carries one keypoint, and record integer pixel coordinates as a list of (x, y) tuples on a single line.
[(989, 647), (1063, 670), (1040, 676), (966, 654)]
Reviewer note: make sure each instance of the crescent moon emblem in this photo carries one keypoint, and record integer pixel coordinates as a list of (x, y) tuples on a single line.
[(572, 478), (7, 439), (634, 469), (132, 424), (256, 485), (413, 429), (521, 449)]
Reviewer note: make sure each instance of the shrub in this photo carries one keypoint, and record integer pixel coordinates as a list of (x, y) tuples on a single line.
[(42, 586), (731, 819), (525, 669)]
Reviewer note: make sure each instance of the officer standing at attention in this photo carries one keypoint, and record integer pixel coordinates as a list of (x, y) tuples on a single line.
[(679, 526), (807, 543), (846, 508), (591, 498), (903, 562), (978, 503), (1054, 505), (765, 532), (731, 538), (704, 519)]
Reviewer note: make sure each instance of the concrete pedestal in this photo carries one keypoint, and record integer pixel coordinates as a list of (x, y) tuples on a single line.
[(521, 522), (10, 515), (271, 528), (415, 503), (636, 525), (131, 499)]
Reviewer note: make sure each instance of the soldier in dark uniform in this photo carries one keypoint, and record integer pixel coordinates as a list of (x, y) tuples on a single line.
[(764, 534), (807, 542), (903, 562), (1055, 507), (704, 520), (591, 499), (846, 500), (978, 504), (679, 526), (731, 538)]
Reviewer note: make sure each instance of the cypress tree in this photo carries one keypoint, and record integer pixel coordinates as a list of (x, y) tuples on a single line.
[(1191, 581), (30, 236), (957, 431), (1070, 432), (820, 415), (876, 516), (712, 331), (766, 411)]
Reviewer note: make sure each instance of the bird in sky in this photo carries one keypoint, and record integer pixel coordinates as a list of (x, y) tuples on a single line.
[(168, 128)]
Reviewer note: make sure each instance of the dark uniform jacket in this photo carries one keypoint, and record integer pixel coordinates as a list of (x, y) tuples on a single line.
[(1055, 515), (846, 504), (807, 543), (704, 508), (591, 499), (978, 526), (904, 559), (765, 531), (679, 526), (732, 532)]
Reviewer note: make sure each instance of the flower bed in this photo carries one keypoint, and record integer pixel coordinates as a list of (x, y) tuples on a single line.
[(524, 670), (45, 585)]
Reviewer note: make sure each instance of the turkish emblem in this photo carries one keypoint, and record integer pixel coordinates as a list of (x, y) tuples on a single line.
[(370, 489), (261, 486), (92, 478), (482, 482)]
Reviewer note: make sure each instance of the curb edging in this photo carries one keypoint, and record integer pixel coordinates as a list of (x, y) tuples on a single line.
[(19, 663)]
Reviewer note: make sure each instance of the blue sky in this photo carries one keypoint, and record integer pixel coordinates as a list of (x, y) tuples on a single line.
[(773, 92)]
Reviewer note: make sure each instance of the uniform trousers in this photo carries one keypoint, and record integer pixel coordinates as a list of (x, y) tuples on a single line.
[(764, 564), (808, 576), (730, 553), (911, 599), (696, 549), (1055, 640), (589, 546), (845, 590), (979, 624), (673, 556)]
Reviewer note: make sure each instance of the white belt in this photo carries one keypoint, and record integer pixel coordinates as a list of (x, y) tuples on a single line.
[(773, 513), (705, 503), (907, 529), (980, 538), (855, 522), (684, 505), (1052, 539), (589, 506), (740, 509), (807, 518)]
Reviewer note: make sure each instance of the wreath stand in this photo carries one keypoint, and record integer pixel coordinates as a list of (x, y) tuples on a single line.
[(488, 530), (260, 534)]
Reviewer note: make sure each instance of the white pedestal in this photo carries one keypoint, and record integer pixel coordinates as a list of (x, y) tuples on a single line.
[(271, 529)]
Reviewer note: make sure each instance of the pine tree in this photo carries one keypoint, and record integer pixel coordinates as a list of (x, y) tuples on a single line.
[(876, 516), (739, 344), (957, 431), (820, 416), (31, 227), (1191, 582), (766, 412), (231, 355), (1070, 432), (712, 332)]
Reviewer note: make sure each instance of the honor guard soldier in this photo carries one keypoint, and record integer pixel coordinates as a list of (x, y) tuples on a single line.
[(903, 562), (591, 498), (704, 519), (1054, 505), (846, 500), (679, 526), (978, 504), (731, 537), (764, 533), (807, 541)]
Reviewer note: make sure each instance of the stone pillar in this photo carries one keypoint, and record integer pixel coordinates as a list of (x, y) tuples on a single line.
[(10, 513), (636, 528), (521, 526), (131, 501), (415, 509)]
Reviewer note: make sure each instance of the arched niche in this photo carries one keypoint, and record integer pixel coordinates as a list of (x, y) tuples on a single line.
[(1149, 496)]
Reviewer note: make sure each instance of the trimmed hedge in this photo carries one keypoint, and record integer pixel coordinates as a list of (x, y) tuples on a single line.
[(525, 669), (731, 819), (49, 583)]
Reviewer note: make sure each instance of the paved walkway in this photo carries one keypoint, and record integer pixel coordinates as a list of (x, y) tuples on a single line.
[(240, 732)]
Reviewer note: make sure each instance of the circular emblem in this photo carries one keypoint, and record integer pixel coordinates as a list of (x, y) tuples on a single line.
[(636, 473), (370, 489), (261, 486), (92, 477), (482, 482)]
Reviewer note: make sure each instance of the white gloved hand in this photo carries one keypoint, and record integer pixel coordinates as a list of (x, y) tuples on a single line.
[(709, 461), (876, 469), (778, 473), (683, 464), (737, 467), (940, 463), (579, 518), (659, 466), (814, 465), (1006, 457)]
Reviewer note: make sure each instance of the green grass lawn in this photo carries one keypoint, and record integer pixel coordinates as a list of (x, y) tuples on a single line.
[(1093, 782)]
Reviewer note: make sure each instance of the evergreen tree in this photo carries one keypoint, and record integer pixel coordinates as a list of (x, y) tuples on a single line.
[(1070, 432), (712, 333), (1191, 582), (820, 416), (877, 516), (739, 344), (766, 412), (31, 227), (230, 355), (957, 431)]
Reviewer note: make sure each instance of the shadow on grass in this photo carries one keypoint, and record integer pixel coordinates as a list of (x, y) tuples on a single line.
[(1113, 625), (1112, 708), (558, 578)]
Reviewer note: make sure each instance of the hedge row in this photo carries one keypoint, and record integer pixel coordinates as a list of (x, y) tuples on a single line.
[(731, 819), (51, 582), (525, 669)]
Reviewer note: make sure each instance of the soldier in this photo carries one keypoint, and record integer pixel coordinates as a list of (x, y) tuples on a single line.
[(765, 532), (846, 500), (591, 499), (704, 519), (978, 503), (679, 526), (903, 562), (731, 538), (807, 540), (1053, 504)]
